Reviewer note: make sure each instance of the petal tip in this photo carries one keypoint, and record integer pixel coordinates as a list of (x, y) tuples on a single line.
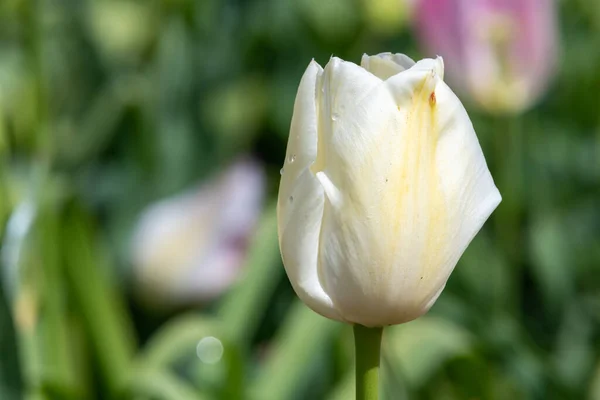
[(439, 66), (497, 198), (314, 64)]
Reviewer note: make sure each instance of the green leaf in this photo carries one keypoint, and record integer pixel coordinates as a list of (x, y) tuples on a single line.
[(483, 262), (419, 348), (162, 385), (10, 373), (243, 308), (295, 353), (177, 339), (345, 389), (100, 305), (552, 264)]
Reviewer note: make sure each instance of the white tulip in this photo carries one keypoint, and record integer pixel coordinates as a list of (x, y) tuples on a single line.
[(383, 187)]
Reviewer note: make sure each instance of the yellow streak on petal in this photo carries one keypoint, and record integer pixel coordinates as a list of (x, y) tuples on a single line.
[(412, 201), (394, 216)]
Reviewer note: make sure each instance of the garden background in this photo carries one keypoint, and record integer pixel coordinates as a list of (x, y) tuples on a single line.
[(140, 150)]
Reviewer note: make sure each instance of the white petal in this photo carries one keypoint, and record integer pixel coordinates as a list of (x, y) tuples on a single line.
[(352, 104), (415, 190), (355, 116), (433, 65), (385, 65), (333, 194), (465, 180), (300, 202)]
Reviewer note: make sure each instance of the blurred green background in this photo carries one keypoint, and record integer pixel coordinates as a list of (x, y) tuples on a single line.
[(109, 106)]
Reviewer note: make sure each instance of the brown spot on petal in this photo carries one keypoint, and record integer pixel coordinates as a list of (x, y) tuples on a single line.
[(432, 99)]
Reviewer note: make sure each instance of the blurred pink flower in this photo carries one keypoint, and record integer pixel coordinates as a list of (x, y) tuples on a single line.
[(190, 248), (502, 52)]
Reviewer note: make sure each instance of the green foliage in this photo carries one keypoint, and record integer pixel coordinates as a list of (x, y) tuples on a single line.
[(109, 105)]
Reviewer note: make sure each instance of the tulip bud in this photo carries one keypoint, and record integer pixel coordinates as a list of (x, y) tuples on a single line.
[(383, 187), (501, 52), (190, 248)]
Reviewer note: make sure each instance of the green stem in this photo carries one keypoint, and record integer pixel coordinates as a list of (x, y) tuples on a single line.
[(367, 344)]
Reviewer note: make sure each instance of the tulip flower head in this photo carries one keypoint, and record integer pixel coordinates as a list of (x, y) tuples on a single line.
[(188, 249), (501, 52), (383, 187)]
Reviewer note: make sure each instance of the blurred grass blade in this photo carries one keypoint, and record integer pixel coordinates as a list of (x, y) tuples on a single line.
[(550, 253), (298, 347), (345, 388), (421, 347), (20, 284), (244, 307), (10, 372), (177, 339), (54, 339), (594, 393), (96, 128), (34, 279), (162, 385), (101, 308)]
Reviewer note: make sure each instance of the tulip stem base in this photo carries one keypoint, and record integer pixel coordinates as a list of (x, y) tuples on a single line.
[(367, 344)]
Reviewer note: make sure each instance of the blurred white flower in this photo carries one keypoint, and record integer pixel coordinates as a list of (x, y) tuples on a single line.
[(384, 186), (190, 248)]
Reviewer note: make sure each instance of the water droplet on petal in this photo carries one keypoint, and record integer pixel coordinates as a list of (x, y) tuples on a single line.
[(281, 171), (292, 158), (335, 116), (291, 199)]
